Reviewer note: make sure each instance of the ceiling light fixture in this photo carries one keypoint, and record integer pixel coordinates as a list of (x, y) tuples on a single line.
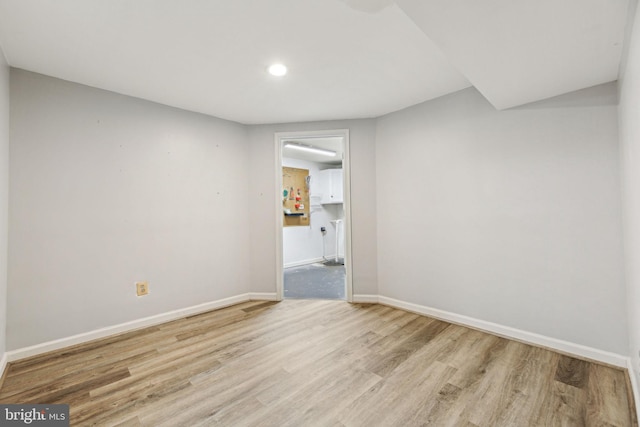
[(310, 149), (278, 70)]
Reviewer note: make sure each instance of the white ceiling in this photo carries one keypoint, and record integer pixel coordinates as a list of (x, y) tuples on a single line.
[(346, 58), (519, 51)]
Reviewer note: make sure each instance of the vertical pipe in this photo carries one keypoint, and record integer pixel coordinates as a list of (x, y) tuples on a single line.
[(337, 238)]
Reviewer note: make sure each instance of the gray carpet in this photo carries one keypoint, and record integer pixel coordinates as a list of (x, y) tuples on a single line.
[(314, 281)]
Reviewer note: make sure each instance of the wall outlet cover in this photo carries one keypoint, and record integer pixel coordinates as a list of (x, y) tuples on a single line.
[(142, 288)]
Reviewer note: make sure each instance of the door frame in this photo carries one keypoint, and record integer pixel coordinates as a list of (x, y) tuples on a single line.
[(346, 182)]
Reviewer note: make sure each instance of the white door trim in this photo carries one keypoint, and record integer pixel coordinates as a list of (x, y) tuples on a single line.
[(277, 197)]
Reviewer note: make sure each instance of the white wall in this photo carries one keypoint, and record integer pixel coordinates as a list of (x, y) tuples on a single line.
[(4, 195), (363, 201), (629, 117), (107, 190), (511, 217), (304, 244)]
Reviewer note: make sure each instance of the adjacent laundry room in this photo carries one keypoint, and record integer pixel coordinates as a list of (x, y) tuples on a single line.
[(313, 218)]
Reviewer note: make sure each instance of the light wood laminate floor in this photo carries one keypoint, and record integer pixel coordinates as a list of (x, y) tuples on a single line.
[(319, 363)]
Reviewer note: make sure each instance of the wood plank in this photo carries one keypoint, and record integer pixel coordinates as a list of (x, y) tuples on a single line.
[(563, 405), (523, 391), (607, 400), (392, 359), (260, 306), (572, 371)]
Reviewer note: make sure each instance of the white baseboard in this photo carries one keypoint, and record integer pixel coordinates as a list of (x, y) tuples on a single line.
[(3, 364), (634, 385), (512, 333), (34, 350), (494, 328), (304, 262), (365, 299), (263, 296)]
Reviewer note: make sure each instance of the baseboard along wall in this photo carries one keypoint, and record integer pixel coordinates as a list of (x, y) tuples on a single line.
[(634, 385), (3, 367), (22, 353), (304, 262), (493, 328), (555, 344)]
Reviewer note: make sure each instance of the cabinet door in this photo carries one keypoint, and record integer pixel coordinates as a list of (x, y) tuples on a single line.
[(331, 186), (336, 186), (323, 187)]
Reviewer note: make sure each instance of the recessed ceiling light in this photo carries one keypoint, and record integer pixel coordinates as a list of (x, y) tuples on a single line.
[(277, 70)]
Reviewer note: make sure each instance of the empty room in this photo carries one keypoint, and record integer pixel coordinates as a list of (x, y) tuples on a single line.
[(319, 212)]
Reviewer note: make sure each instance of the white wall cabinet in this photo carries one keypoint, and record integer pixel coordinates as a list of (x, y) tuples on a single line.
[(330, 186)]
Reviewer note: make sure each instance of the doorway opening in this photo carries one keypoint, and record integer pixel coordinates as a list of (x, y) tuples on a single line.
[(313, 236)]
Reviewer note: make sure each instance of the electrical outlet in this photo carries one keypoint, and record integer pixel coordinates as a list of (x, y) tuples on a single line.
[(142, 288)]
